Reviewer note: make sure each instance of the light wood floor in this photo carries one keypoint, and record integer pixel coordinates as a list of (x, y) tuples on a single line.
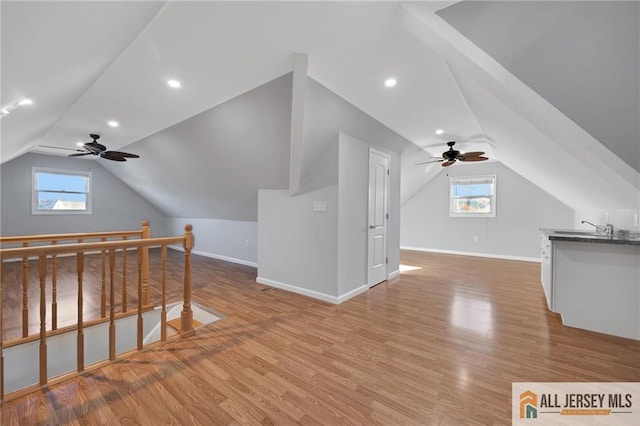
[(440, 345)]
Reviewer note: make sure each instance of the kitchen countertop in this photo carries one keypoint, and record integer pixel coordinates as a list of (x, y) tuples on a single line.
[(583, 236)]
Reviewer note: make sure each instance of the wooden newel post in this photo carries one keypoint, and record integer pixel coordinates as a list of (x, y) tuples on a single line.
[(146, 233), (186, 318)]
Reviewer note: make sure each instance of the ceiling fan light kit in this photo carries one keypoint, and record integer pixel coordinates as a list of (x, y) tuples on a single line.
[(450, 156), (96, 148)]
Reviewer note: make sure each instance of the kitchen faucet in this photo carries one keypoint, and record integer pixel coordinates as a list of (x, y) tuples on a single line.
[(606, 230)]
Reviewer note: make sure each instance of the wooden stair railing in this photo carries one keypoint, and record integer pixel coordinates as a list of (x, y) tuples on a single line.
[(107, 250), (54, 239)]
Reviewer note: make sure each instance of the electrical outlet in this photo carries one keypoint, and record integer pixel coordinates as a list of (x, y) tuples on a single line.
[(475, 238), (246, 243)]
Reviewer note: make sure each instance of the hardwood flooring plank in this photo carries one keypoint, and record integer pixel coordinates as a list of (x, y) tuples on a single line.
[(92, 408), (431, 347)]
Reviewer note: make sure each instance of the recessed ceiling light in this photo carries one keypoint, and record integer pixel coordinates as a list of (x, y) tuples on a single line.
[(80, 143), (439, 132), (390, 82), (174, 83), (25, 102), (113, 123)]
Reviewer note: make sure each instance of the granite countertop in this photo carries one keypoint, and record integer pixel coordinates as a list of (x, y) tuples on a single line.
[(583, 236)]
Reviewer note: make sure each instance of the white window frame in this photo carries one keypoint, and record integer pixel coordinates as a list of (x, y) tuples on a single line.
[(34, 191), (479, 178)]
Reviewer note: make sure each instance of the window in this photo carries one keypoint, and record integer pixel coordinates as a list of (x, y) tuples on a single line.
[(473, 196), (60, 191)]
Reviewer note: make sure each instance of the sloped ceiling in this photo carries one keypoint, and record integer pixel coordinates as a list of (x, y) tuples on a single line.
[(220, 50), (583, 57), (530, 135), (90, 62), (211, 165), (53, 53)]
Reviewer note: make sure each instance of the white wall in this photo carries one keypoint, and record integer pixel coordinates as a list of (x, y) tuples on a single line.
[(353, 184), (620, 219), (297, 246), (115, 206), (230, 240), (353, 193), (324, 255), (522, 208)]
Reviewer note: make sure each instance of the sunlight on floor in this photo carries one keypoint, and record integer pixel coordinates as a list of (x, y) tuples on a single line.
[(408, 268), (474, 315)]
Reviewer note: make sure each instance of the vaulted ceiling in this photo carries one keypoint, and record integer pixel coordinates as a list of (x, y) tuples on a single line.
[(85, 63)]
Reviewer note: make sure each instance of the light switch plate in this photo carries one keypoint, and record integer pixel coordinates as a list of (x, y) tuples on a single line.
[(319, 206)]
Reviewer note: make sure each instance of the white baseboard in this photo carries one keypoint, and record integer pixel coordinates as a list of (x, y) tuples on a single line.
[(393, 274), (218, 256), (311, 293), (299, 290), (466, 253), (356, 291)]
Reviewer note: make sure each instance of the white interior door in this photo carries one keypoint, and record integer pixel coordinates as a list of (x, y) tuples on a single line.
[(378, 216)]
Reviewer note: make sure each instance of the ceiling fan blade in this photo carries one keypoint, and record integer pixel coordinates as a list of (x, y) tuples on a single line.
[(121, 154), (81, 154), (472, 154), (473, 159), (60, 147), (448, 163), (429, 162), (109, 155)]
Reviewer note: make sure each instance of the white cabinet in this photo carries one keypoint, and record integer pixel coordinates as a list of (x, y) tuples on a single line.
[(597, 286), (592, 281), (546, 269)]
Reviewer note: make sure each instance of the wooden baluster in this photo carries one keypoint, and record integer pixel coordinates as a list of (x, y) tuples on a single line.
[(25, 294), (140, 325), (80, 271), (146, 233), (54, 290), (103, 288), (112, 324), (124, 278), (43, 317), (186, 317), (163, 314), (1, 328)]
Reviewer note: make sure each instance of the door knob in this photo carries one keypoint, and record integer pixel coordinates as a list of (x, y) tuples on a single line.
[(372, 226)]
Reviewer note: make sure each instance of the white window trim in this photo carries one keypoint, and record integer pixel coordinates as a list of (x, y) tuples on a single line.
[(478, 177), (34, 192)]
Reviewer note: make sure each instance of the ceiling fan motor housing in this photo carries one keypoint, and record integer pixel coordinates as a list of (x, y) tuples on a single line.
[(451, 154)]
